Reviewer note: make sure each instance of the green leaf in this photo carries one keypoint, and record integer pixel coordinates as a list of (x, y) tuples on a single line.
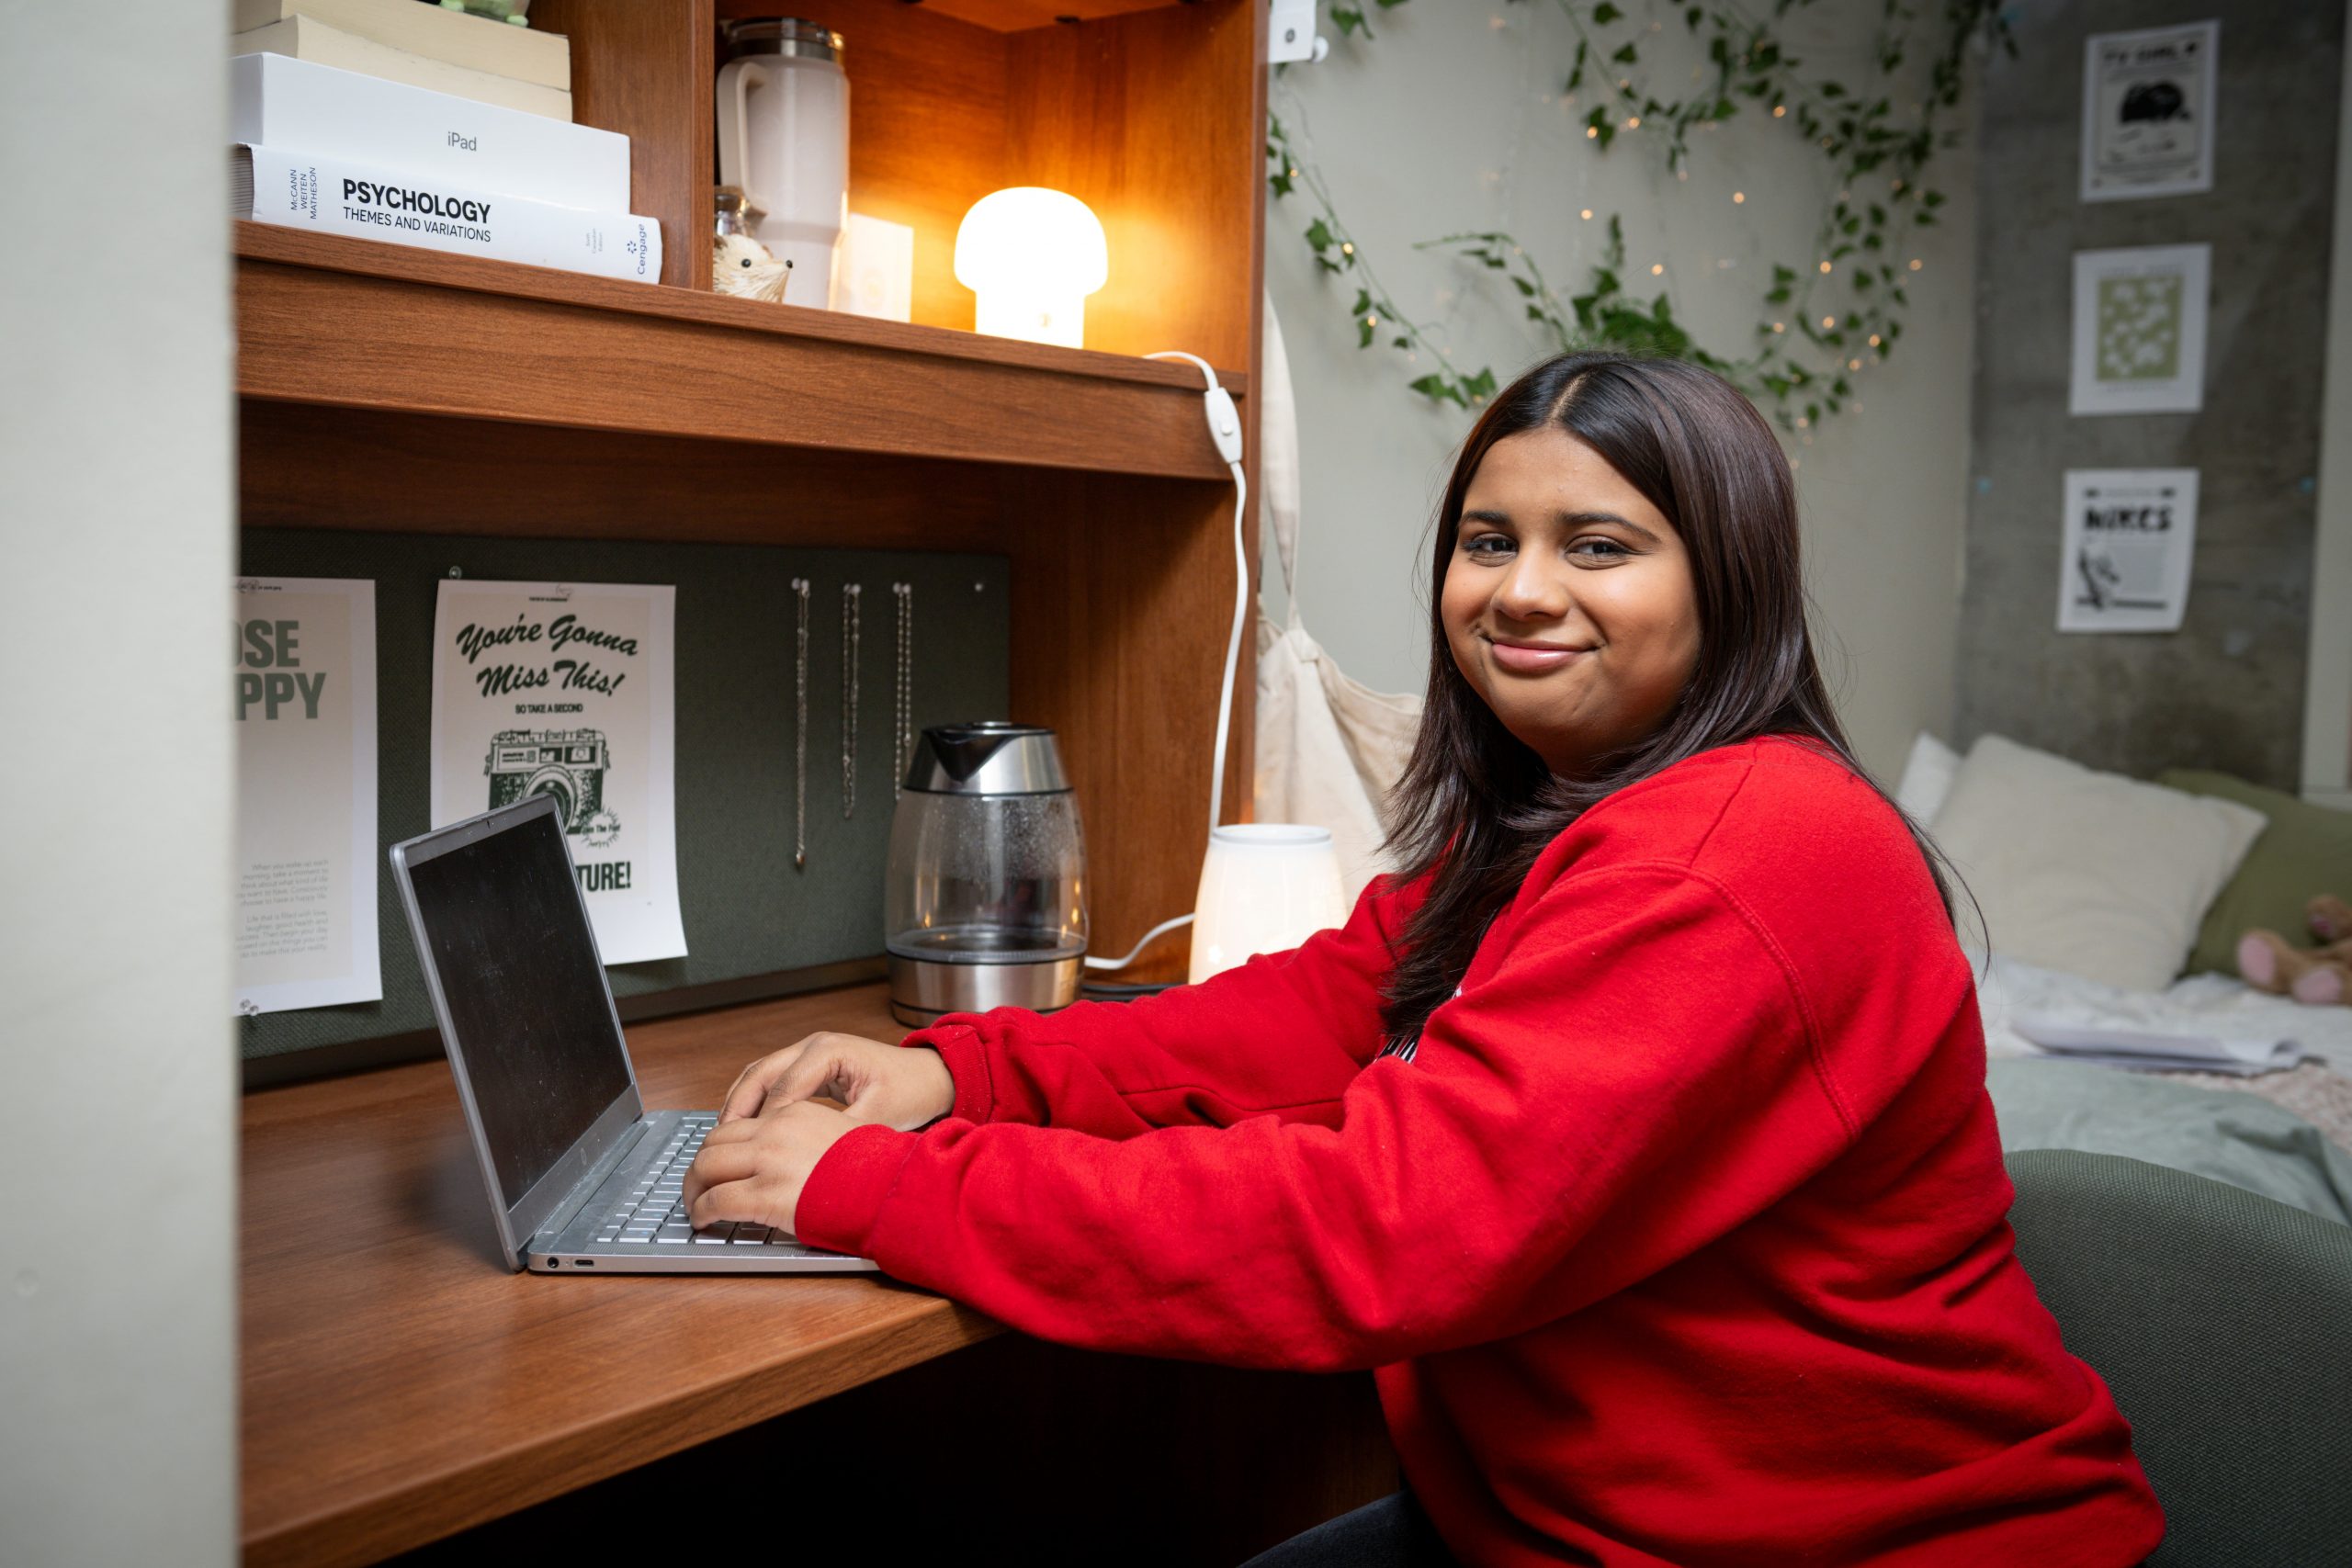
[(1319, 235), (1605, 13), (1628, 55), (1437, 389), (1693, 16), (1349, 19), (1526, 290), (1575, 77), (1481, 386)]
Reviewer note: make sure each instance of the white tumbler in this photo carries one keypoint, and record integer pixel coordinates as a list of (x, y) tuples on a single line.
[(1265, 887), (783, 108)]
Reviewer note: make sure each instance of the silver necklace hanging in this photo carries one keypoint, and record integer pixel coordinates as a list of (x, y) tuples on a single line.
[(902, 732), (800, 724), (849, 595)]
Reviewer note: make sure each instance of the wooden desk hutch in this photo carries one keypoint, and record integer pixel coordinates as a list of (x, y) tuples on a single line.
[(504, 401)]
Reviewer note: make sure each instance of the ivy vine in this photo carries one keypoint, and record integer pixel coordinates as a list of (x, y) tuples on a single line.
[(1821, 320)]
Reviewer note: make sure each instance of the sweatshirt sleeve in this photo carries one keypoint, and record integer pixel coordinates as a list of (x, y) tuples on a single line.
[(1635, 1077), (1283, 1034)]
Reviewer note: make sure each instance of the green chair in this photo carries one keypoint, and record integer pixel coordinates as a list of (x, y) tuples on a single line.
[(2222, 1322)]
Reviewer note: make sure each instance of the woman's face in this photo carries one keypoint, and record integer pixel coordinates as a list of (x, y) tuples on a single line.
[(1567, 602)]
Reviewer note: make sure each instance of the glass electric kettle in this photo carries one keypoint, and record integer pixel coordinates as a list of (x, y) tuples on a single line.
[(986, 902)]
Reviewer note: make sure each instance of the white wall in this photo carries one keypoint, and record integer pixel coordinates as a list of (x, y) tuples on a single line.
[(1452, 119), (118, 1252)]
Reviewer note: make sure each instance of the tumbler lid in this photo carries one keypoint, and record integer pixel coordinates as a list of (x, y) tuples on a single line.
[(987, 757), (777, 35)]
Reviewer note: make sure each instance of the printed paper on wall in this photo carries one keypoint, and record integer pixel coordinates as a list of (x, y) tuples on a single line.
[(306, 793), (565, 690), (2140, 330), (2130, 537), (2148, 101)]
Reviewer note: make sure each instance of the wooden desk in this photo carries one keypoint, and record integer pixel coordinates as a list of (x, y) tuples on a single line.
[(400, 1385)]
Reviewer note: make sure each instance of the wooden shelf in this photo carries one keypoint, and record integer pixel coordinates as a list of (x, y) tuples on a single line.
[(352, 324)]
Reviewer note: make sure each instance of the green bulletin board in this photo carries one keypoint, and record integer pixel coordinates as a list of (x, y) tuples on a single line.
[(750, 917)]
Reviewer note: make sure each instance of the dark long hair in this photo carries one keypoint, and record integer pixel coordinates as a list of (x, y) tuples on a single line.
[(1475, 806)]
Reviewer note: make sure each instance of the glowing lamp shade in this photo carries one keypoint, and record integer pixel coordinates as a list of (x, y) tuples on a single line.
[(1032, 256), (1265, 887)]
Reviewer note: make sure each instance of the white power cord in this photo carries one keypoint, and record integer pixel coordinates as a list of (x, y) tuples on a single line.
[(1225, 429)]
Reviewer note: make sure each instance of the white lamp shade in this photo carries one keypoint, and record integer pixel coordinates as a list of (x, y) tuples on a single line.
[(1032, 255), (1265, 887)]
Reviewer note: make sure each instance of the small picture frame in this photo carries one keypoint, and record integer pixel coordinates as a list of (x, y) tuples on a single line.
[(2148, 112), (2139, 317), (2126, 545)]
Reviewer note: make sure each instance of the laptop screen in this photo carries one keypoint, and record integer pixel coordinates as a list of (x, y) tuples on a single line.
[(511, 947)]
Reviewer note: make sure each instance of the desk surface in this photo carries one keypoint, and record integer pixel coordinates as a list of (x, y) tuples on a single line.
[(400, 1384)]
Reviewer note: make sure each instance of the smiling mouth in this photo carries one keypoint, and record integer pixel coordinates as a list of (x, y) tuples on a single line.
[(1531, 658)]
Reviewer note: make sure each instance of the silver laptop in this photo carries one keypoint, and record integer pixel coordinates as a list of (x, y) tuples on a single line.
[(581, 1176)]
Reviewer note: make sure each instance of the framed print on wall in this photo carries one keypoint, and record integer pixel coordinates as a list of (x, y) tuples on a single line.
[(2140, 330), (2129, 541), (2148, 101)]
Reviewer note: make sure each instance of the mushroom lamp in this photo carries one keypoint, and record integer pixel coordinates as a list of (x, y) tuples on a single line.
[(1032, 255)]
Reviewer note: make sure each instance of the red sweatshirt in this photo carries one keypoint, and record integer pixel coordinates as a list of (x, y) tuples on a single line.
[(1679, 1239)]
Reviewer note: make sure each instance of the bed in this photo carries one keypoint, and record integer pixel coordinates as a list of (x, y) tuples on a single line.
[(2106, 908)]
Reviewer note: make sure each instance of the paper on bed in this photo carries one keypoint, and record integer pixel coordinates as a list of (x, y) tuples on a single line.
[(2148, 1051), (2196, 1027)]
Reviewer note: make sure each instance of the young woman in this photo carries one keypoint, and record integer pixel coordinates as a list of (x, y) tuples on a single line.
[(1634, 1133)]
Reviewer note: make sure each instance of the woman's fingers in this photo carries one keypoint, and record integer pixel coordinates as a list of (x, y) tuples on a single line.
[(728, 1154), (750, 1091), (820, 1067)]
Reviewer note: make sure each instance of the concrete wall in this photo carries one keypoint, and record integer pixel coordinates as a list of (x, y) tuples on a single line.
[(117, 1255), (2327, 691), (1453, 119), (2227, 689)]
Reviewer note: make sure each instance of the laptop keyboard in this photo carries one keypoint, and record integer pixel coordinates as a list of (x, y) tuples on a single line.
[(651, 1214)]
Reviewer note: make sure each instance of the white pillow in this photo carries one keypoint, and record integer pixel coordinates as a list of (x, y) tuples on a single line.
[(2092, 874), (1926, 778)]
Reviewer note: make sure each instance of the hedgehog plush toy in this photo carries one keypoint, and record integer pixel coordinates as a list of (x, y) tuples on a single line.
[(2319, 975), (740, 264)]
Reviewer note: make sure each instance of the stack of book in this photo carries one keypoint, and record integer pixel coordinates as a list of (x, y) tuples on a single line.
[(419, 46), (348, 150)]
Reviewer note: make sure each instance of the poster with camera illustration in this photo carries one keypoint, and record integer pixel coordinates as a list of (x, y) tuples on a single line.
[(2130, 539), (2148, 102), (564, 690), (306, 793)]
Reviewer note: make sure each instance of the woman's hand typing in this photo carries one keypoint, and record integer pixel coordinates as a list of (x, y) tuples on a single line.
[(895, 1086), (770, 1136)]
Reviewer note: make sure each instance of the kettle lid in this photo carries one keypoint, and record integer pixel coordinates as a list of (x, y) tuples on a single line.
[(987, 757)]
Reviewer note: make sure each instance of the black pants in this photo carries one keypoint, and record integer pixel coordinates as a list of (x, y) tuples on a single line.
[(1391, 1533)]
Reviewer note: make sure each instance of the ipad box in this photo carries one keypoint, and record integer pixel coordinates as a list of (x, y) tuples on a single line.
[(277, 101)]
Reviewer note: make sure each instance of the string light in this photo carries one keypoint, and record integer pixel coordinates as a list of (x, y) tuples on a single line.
[(1591, 130), (1916, 264), (1780, 326), (1657, 268), (1803, 421), (1633, 122), (1854, 365), (1873, 340), (1347, 247), (1738, 196), (1588, 214), (1824, 266), (1778, 110), (1828, 322)]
